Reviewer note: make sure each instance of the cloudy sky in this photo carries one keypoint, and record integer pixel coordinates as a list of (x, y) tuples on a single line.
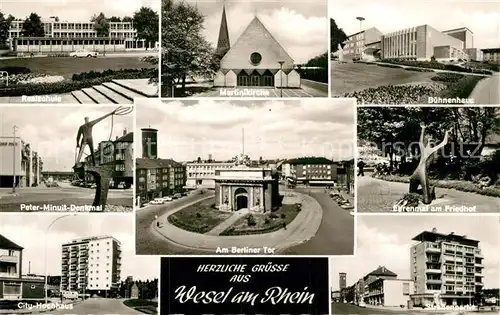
[(75, 10), (482, 17), (273, 129), (300, 26), (386, 241), (29, 231), (52, 131)]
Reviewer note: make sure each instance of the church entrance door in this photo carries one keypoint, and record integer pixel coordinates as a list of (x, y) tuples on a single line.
[(255, 80)]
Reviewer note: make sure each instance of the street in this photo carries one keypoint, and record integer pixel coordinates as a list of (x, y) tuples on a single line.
[(98, 306), (149, 243), (336, 232), (375, 195), (346, 308), (39, 196)]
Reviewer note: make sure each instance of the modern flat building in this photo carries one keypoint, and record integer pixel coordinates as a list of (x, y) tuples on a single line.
[(91, 265), (465, 35), (13, 285), (491, 55), (202, 174), (422, 43), (447, 269), (311, 170), (255, 59), (118, 153), (66, 36), (363, 45), (18, 160)]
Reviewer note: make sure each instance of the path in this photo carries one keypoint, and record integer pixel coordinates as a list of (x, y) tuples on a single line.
[(487, 91), (301, 229), (375, 195), (227, 223)]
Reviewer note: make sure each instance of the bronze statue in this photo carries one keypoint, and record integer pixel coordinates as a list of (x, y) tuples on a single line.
[(84, 137), (420, 176)]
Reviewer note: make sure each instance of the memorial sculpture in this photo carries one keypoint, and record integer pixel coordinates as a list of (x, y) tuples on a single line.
[(102, 174), (420, 176)]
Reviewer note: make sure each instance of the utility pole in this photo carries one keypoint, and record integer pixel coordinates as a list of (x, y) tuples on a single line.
[(14, 160)]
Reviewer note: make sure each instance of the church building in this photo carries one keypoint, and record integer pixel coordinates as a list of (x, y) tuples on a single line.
[(255, 60)]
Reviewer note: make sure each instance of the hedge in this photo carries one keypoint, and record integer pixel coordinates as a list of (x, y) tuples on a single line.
[(62, 87), (436, 65), (447, 77), (318, 75), (138, 73), (461, 88), (15, 70), (418, 69), (464, 186), (388, 66)]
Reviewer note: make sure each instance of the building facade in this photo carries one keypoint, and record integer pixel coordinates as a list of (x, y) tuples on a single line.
[(159, 178), (446, 268), (465, 35), (13, 285), (312, 171), (91, 266), (256, 59), (422, 43), (244, 187), (202, 174), (389, 292), (363, 45), (491, 55), (118, 153), (67, 36), (19, 161)]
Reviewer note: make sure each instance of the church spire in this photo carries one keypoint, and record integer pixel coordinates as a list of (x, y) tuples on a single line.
[(223, 44)]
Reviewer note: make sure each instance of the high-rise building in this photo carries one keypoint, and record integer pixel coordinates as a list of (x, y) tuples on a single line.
[(446, 268), (91, 265)]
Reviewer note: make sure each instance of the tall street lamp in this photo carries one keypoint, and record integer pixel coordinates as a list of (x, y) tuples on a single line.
[(14, 147), (46, 254), (281, 62)]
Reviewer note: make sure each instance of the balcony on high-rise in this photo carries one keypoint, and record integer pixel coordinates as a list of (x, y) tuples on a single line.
[(434, 270), (478, 253), (9, 259), (432, 248)]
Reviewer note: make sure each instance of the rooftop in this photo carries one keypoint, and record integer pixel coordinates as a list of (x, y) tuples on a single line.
[(458, 29), (5, 243), (145, 163), (382, 271), (434, 236), (312, 160)]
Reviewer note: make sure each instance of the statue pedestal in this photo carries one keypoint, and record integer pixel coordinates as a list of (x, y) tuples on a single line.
[(102, 175)]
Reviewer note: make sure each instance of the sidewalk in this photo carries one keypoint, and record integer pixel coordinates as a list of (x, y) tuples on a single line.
[(487, 91), (227, 223), (300, 230)]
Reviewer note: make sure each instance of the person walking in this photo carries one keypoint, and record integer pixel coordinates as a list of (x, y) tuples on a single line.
[(361, 166)]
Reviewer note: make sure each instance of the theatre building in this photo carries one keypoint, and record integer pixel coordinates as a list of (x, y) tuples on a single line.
[(255, 60), (243, 187)]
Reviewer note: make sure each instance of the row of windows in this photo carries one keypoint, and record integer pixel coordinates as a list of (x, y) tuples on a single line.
[(47, 42), (209, 167), (400, 45)]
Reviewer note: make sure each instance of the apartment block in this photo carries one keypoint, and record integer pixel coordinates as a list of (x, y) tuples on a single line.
[(363, 44), (91, 265), (202, 174), (447, 268)]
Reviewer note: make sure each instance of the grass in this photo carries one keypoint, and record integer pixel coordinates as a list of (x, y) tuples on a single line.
[(199, 218), (144, 306), (264, 223), (66, 67), (460, 185)]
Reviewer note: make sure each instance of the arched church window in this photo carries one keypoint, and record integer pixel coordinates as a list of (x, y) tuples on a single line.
[(255, 58)]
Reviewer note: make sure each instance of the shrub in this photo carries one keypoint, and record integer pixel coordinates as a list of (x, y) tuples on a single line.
[(251, 220), (388, 66), (116, 74), (283, 216), (447, 77), (198, 215), (267, 221), (461, 88), (16, 70), (273, 216), (418, 69)]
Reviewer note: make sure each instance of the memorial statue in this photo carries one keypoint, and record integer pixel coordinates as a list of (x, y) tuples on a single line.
[(420, 176), (84, 137)]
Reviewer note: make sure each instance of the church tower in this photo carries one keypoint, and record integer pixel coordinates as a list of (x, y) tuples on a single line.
[(223, 44)]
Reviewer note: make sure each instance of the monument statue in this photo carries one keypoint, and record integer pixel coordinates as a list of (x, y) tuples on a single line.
[(84, 137), (341, 52), (102, 173), (420, 176)]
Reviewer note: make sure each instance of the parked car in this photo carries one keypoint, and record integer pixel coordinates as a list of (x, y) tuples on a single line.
[(167, 198), (93, 186), (84, 53), (177, 196), (157, 201), (72, 295), (361, 304), (347, 206)]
